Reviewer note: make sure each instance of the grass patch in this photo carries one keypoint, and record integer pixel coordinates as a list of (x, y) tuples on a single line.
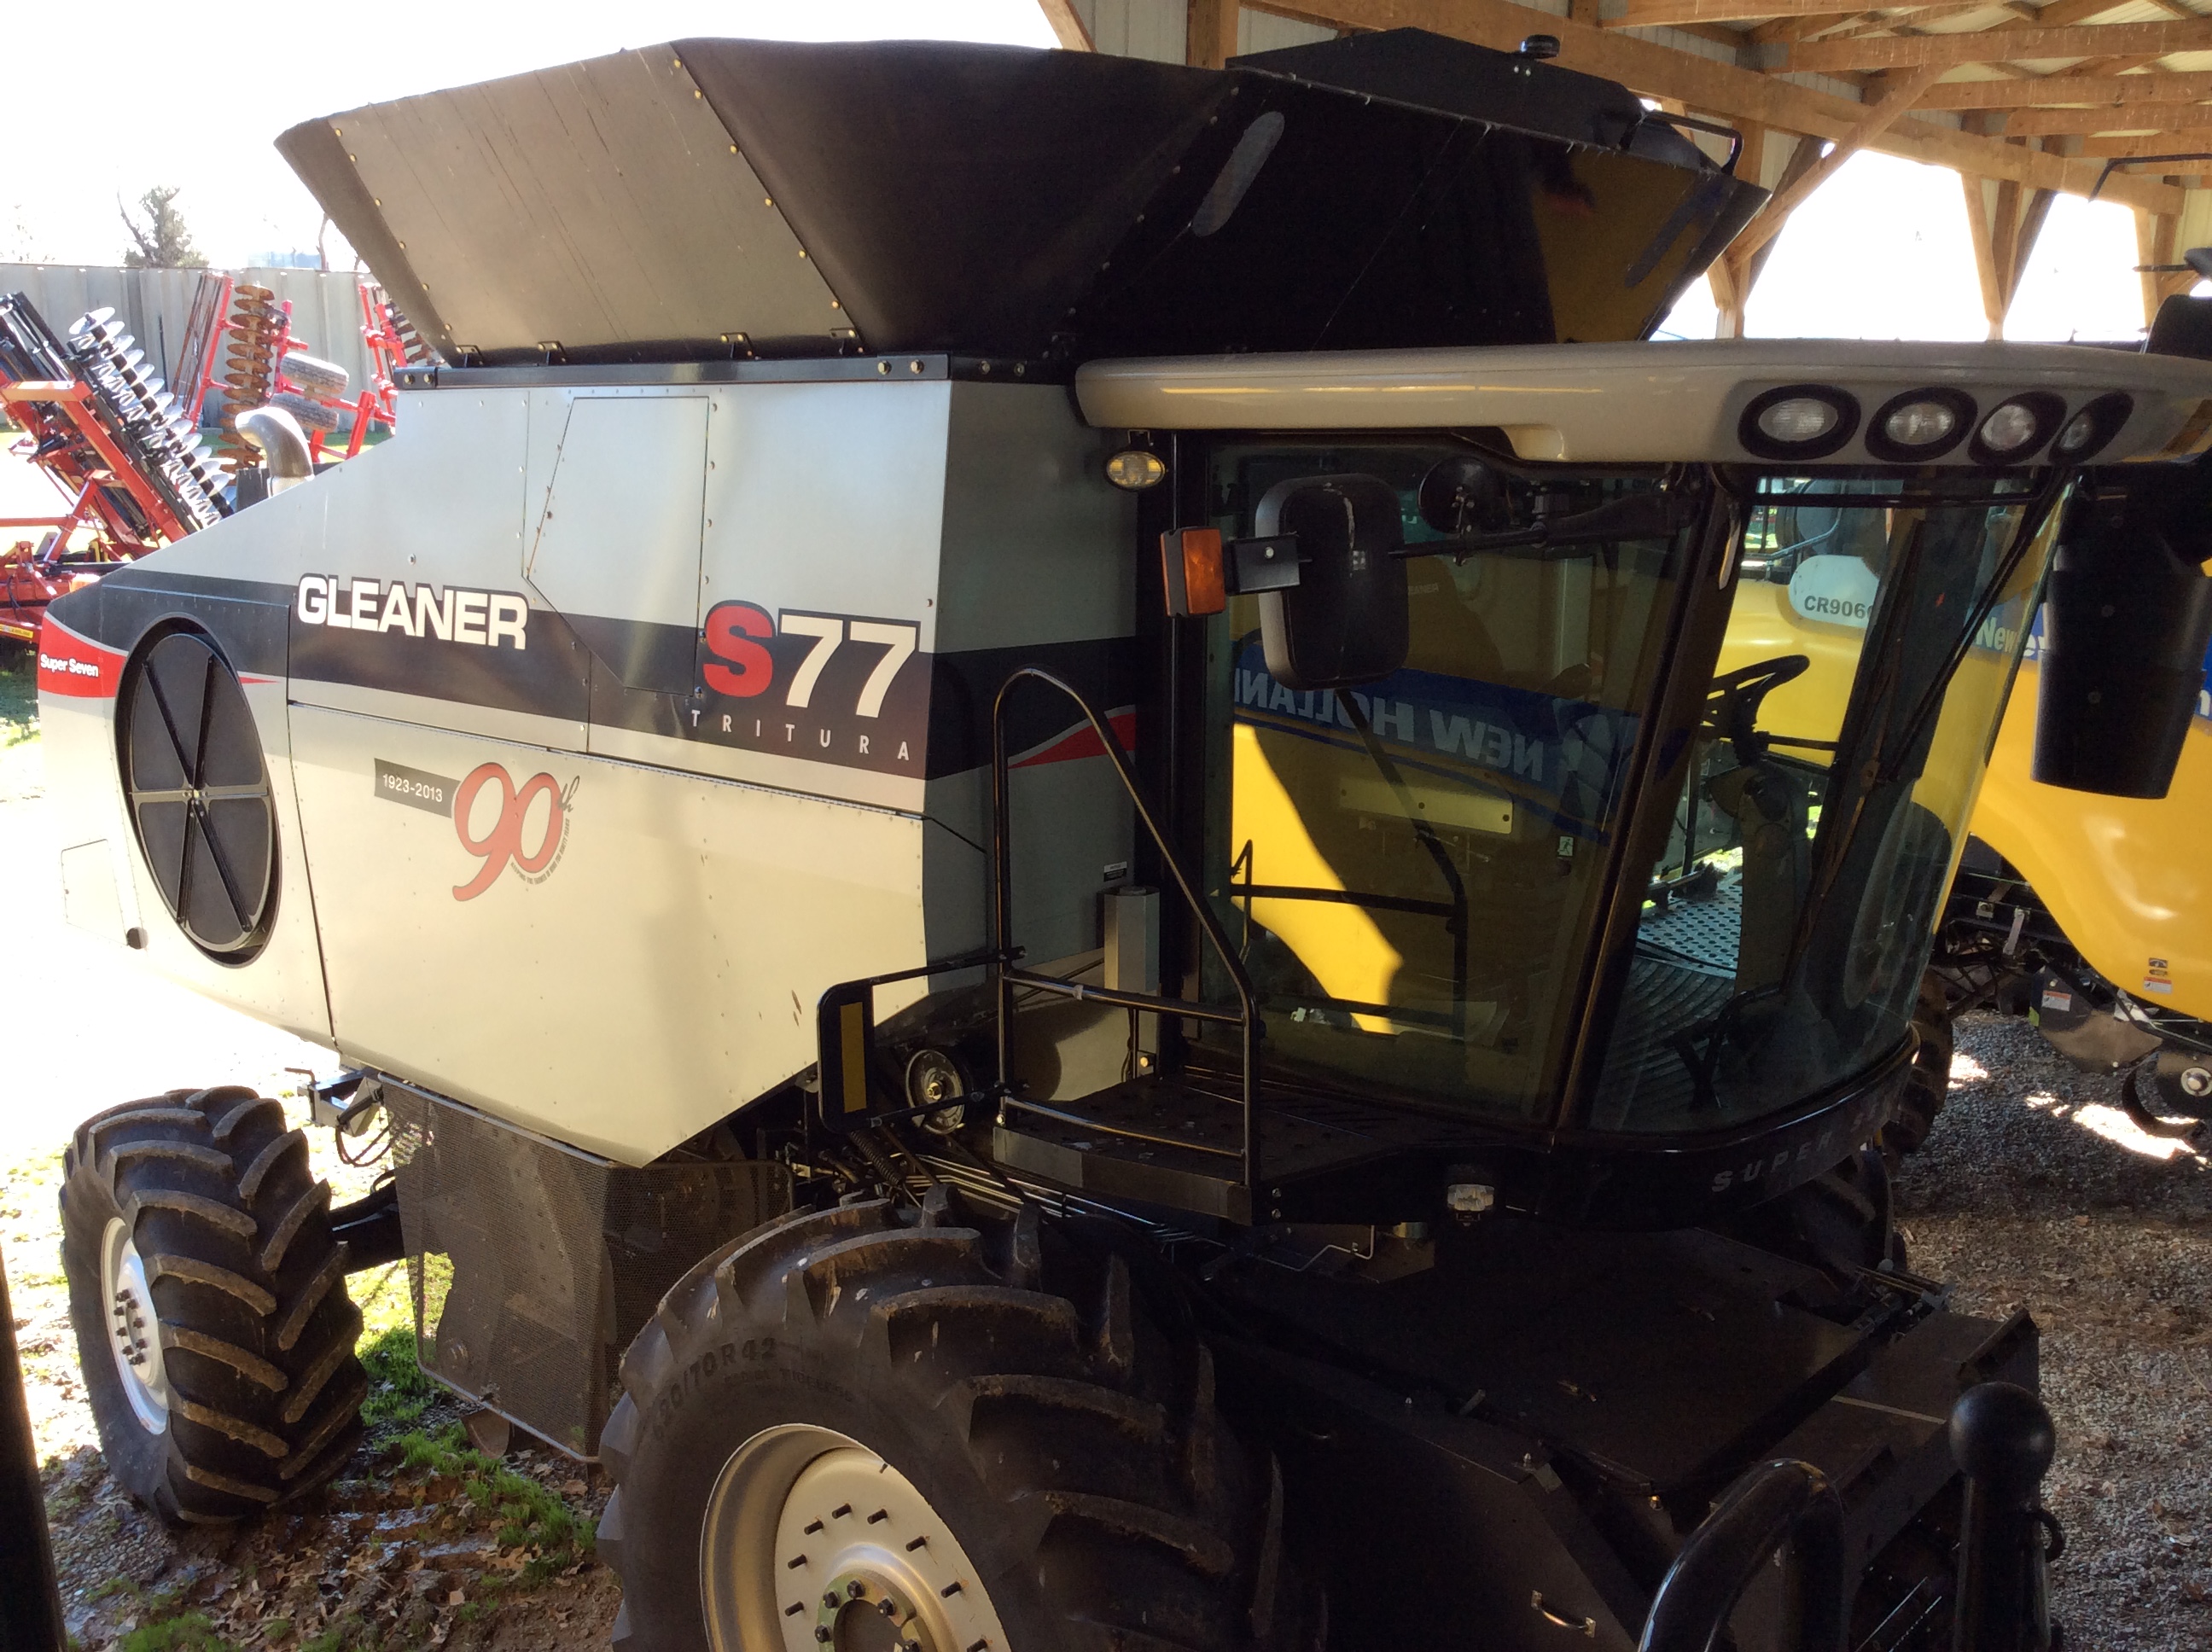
[(398, 1391), (188, 1631), (529, 1517), (347, 1634)]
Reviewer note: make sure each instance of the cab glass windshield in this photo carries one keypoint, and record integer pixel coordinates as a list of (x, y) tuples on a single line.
[(1785, 926), (1413, 868)]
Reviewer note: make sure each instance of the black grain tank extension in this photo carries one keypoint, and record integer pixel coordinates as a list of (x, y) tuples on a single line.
[(716, 198)]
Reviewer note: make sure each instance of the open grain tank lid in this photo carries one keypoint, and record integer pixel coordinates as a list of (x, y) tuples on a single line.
[(716, 198)]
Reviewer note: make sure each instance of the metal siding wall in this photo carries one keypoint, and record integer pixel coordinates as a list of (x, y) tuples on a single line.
[(155, 304), (1137, 29), (1262, 31), (1157, 28)]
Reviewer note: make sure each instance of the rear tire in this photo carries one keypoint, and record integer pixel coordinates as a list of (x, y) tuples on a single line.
[(1085, 1494), (1928, 1085), (213, 1325)]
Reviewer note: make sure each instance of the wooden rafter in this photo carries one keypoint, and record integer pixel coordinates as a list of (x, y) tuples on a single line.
[(2124, 118), (2141, 144), (1733, 94), (2007, 45), (1736, 271), (2005, 221), (1673, 13), (1888, 108), (1066, 27), (2096, 91)]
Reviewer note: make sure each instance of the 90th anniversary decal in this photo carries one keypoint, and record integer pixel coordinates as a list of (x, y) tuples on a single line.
[(499, 823)]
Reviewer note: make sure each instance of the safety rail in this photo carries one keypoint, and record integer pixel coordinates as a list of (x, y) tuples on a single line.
[(1782, 1501), (1007, 976)]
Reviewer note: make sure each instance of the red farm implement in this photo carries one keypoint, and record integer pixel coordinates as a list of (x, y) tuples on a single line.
[(131, 473)]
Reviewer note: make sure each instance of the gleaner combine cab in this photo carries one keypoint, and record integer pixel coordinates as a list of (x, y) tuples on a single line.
[(1021, 791)]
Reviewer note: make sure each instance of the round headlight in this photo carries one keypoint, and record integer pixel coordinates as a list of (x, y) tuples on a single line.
[(1800, 419), (1920, 424), (2016, 428), (1801, 422), (2089, 430), (2011, 427), (1136, 470)]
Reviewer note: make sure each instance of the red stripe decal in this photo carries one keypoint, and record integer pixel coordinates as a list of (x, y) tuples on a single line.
[(1081, 741), (75, 666)]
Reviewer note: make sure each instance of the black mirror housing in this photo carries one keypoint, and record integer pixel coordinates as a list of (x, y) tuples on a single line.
[(2127, 616), (1344, 621)]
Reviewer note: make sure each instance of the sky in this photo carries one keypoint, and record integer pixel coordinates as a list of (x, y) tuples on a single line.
[(232, 80), (1880, 251)]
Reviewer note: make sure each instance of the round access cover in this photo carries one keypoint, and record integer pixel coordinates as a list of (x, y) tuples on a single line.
[(199, 793)]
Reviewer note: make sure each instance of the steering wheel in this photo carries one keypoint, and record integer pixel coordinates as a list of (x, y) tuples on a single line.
[(1736, 697)]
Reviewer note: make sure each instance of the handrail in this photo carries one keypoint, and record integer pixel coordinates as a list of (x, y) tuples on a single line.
[(1779, 1503), (1002, 903)]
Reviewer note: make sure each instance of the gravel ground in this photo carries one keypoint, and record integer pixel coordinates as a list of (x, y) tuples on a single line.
[(2034, 1190)]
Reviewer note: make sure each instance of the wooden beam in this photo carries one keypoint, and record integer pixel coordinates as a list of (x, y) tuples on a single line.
[(2141, 144), (2096, 91), (1887, 109), (1673, 14), (1729, 93), (2003, 44), (1210, 33), (1985, 256), (1734, 274), (1067, 28), (2004, 224), (2125, 117)]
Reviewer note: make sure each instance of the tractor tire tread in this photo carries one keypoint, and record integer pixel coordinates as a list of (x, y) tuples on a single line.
[(1067, 1418), (257, 1332)]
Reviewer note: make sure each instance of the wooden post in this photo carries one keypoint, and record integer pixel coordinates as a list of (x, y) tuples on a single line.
[(2004, 231), (1212, 33)]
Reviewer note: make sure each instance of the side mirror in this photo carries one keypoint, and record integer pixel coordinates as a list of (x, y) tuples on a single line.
[(2127, 616), (1344, 621)]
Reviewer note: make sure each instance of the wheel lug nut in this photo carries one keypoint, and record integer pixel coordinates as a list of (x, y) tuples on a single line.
[(823, 1633), (855, 1590), (832, 1600), (888, 1607)]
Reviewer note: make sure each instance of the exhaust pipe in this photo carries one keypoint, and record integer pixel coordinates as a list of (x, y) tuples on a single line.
[(275, 434)]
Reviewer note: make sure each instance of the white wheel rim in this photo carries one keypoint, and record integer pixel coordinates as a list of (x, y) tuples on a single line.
[(813, 1542), (134, 1332)]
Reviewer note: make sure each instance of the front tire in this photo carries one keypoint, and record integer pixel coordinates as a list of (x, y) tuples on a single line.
[(877, 1438), (213, 1326)]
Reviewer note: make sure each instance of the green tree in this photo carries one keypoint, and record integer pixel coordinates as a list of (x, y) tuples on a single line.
[(161, 241)]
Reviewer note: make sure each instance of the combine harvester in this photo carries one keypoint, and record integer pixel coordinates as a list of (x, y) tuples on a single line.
[(1017, 800)]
